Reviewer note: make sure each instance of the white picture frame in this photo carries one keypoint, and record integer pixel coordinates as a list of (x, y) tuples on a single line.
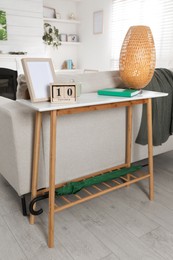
[(49, 12), (98, 22), (39, 74)]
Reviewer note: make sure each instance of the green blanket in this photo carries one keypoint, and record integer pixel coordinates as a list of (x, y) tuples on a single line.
[(162, 112)]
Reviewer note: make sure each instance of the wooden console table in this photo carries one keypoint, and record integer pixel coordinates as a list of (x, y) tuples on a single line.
[(85, 103)]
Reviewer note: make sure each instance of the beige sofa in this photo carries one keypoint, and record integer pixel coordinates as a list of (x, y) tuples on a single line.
[(86, 142)]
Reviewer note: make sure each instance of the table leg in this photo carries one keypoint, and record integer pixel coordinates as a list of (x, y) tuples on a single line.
[(150, 149), (52, 178), (129, 139), (36, 154)]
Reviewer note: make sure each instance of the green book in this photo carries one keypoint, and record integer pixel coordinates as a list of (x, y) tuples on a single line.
[(118, 92)]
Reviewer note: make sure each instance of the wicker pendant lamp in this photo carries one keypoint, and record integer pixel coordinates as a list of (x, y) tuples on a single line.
[(137, 57)]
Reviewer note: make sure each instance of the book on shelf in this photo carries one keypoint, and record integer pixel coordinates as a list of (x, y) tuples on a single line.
[(120, 92)]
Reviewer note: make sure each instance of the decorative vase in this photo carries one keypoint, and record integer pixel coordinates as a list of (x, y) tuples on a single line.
[(137, 57)]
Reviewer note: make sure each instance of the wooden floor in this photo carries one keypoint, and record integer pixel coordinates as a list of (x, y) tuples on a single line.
[(123, 224)]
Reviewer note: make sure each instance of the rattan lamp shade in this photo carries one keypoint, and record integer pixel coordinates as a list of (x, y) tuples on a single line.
[(137, 57)]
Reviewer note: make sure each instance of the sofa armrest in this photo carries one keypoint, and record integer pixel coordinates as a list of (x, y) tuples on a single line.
[(16, 142), (8, 158)]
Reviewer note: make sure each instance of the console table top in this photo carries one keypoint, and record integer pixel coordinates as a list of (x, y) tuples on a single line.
[(89, 99)]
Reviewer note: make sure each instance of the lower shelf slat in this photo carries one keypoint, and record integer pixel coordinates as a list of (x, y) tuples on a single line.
[(108, 189)]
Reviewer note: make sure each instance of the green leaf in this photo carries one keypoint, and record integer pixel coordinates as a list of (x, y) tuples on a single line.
[(2, 17), (3, 34)]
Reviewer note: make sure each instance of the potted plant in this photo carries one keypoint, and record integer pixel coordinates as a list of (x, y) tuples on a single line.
[(51, 35)]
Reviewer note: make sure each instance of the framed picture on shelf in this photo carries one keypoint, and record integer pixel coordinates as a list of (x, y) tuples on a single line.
[(49, 12), (98, 22), (39, 74), (72, 38)]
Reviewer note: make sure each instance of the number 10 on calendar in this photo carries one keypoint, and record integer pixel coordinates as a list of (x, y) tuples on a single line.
[(63, 93)]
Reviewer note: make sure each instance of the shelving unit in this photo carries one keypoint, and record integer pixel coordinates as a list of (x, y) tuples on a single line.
[(70, 43), (66, 26), (66, 71), (61, 20), (64, 21)]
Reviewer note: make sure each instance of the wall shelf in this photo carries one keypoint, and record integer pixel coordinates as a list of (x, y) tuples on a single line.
[(61, 20), (66, 71), (70, 43), (67, 27)]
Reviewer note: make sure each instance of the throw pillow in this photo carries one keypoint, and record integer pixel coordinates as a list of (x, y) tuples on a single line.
[(22, 88)]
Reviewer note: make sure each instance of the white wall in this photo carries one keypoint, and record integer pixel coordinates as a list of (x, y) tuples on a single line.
[(95, 50), (24, 26), (25, 31)]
